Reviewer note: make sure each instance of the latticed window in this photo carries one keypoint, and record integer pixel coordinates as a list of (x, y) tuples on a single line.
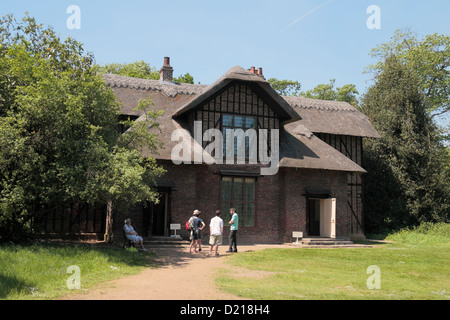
[(234, 122), (239, 193)]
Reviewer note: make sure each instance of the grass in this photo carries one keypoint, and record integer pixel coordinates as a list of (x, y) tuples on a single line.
[(40, 271), (415, 266)]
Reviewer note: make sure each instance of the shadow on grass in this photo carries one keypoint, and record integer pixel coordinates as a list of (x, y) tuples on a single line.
[(69, 250), (9, 284)]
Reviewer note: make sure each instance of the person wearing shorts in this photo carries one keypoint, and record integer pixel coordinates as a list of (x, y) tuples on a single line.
[(215, 231), (197, 227)]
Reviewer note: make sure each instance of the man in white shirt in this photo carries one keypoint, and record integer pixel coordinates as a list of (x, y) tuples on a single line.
[(215, 231)]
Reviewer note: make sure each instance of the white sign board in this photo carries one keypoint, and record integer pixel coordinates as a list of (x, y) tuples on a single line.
[(175, 227), (297, 234)]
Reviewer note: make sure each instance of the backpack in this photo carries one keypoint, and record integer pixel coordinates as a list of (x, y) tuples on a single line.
[(190, 224)]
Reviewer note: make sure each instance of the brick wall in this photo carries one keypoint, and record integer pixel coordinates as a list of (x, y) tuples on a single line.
[(281, 202)]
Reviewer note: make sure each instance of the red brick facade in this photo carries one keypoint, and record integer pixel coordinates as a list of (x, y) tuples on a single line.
[(281, 201)]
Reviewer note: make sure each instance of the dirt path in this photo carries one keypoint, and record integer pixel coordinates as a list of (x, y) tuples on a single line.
[(170, 281)]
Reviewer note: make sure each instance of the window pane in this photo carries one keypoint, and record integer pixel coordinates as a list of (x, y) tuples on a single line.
[(250, 122), (227, 120), (225, 213), (226, 189), (238, 189), (238, 121), (239, 210), (249, 189), (250, 214)]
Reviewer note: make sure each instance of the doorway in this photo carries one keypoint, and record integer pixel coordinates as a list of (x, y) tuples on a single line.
[(314, 217), (155, 217), (322, 217)]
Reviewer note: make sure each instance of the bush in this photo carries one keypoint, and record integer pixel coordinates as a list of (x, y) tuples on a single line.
[(426, 233)]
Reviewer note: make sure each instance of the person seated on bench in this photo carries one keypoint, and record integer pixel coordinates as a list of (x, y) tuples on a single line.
[(133, 235)]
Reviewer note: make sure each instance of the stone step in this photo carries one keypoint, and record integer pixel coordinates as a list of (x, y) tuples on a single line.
[(160, 241), (326, 241)]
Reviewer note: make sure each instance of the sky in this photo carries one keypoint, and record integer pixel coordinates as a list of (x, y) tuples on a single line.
[(310, 41)]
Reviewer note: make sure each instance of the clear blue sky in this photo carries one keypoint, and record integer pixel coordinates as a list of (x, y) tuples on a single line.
[(310, 41)]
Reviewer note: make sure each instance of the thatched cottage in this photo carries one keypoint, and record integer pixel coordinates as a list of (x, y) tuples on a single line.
[(315, 188), (306, 176)]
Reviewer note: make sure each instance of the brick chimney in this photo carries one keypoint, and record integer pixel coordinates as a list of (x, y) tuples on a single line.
[(166, 72), (260, 73)]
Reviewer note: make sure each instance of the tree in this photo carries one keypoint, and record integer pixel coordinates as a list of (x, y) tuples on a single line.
[(142, 70), (285, 87), (185, 78), (138, 69), (58, 137), (346, 93), (407, 181), (428, 58)]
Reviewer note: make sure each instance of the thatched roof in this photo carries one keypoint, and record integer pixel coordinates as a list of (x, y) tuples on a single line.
[(299, 147), (334, 117), (285, 111)]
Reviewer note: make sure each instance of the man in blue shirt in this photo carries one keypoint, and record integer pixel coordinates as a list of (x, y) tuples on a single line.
[(234, 225)]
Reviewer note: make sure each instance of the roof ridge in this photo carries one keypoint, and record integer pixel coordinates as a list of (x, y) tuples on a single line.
[(170, 89), (318, 104)]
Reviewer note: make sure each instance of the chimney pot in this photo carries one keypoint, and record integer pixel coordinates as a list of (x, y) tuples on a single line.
[(260, 72), (252, 69), (167, 61)]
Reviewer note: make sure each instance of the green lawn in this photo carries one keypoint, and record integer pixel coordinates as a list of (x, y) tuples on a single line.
[(40, 271), (417, 266)]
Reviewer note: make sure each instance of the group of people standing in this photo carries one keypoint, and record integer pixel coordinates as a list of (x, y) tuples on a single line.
[(196, 225)]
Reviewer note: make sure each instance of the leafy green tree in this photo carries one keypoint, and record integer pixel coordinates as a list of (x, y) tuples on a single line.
[(407, 182), (58, 137), (142, 70), (138, 69), (185, 78), (322, 92), (346, 93), (428, 58), (285, 87)]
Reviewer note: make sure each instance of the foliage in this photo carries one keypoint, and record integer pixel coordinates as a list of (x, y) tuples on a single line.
[(406, 182), (425, 234), (58, 130), (185, 78), (140, 69), (346, 93), (428, 58), (285, 87)]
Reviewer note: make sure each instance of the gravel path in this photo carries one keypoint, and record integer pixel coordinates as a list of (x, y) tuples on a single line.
[(181, 276)]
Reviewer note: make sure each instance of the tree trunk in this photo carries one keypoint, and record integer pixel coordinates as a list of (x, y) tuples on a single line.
[(109, 223)]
